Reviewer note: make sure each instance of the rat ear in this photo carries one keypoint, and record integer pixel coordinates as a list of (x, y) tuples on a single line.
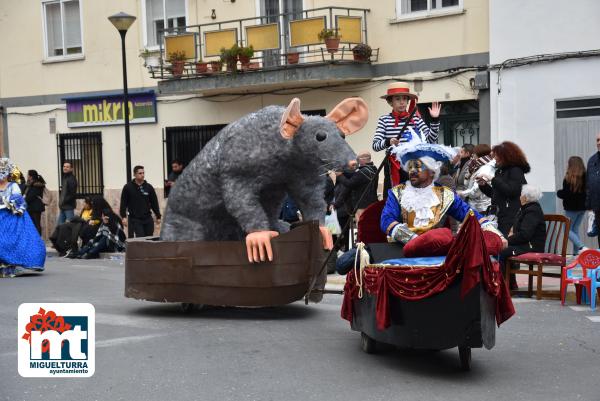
[(291, 119), (350, 115)]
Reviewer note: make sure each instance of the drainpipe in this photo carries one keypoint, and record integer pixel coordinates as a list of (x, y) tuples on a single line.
[(3, 133)]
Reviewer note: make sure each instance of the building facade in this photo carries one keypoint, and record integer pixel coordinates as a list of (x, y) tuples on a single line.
[(544, 85), (61, 77)]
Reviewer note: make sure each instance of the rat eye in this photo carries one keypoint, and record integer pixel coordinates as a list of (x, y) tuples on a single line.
[(321, 136)]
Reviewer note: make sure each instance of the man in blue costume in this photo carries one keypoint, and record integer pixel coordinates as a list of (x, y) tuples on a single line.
[(419, 206)]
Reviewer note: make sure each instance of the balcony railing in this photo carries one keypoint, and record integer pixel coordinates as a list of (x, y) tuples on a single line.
[(286, 40)]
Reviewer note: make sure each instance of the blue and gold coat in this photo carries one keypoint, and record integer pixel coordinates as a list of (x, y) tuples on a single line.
[(450, 205)]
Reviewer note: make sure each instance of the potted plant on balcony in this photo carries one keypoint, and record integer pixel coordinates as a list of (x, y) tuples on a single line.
[(362, 52), (201, 66), (177, 60), (151, 57), (331, 39), (293, 56), (229, 57), (216, 66), (244, 55)]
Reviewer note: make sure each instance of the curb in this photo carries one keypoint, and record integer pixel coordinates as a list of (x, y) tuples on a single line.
[(53, 253)]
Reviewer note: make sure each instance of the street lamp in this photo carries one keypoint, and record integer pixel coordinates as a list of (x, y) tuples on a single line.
[(122, 22)]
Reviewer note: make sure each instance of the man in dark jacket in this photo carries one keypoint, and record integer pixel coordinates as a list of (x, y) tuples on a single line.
[(67, 200), (592, 201), (363, 179), (176, 170), (138, 198)]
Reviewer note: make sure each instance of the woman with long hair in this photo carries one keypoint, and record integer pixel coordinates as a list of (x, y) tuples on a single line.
[(573, 195), (89, 230), (34, 191), (505, 186)]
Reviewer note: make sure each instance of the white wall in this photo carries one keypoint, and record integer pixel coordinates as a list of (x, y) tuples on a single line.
[(523, 110), (522, 28)]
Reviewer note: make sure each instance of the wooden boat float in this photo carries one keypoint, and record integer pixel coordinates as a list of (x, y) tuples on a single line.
[(218, 272)]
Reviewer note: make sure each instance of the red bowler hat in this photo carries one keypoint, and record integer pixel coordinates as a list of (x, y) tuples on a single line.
[(399, 88)]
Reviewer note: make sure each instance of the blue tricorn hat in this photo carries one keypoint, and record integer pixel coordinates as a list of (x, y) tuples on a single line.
[(436, 152)]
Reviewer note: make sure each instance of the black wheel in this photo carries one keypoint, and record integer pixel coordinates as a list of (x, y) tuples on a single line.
[(189, 308), (464, 353), (367, 344)]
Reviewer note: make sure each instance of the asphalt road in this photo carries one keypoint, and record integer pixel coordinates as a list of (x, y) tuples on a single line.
[(150, 351)]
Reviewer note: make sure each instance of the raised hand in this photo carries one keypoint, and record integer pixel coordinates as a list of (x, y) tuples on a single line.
[(434, 110)]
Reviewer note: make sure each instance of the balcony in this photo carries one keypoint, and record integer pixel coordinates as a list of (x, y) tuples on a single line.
[(287, 50)]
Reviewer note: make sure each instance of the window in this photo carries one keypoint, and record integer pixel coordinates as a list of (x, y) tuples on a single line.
[(424, 8), (62, 23), (156, 22), (271, 9), (84, 151), (588, 107), (184, 143)]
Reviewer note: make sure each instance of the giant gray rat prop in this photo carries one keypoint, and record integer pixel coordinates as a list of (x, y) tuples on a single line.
[(236, 185)]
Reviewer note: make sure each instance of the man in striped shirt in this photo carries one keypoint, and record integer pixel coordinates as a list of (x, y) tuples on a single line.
[(403, 101)]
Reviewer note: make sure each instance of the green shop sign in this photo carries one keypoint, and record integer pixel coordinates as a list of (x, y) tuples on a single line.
[(90, 111)]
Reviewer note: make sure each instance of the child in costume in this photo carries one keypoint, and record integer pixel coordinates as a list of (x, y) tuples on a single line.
[(403, 102), (21, 247)]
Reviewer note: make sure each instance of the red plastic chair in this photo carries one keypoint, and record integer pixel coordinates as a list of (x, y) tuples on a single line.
[(589, 259)]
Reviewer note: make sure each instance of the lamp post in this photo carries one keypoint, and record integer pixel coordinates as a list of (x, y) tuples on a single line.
[(122, 22)]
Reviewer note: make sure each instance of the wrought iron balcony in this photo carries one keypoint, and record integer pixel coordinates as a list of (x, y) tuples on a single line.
[(278, 42)]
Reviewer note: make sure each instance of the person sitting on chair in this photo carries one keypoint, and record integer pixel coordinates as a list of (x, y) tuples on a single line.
[(419, 206), (529, 232)]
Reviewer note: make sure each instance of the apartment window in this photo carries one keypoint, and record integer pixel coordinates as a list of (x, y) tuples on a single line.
[(423, 8), (271, 10), (162, 15), (588, 107), (62, 20)]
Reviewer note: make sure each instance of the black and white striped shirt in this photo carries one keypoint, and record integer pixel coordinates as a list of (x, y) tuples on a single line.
[(416, 131)]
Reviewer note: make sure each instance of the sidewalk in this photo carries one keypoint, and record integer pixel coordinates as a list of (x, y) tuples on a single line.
[(53, 253)]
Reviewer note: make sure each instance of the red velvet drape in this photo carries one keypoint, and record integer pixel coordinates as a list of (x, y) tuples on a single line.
[(468, 255)]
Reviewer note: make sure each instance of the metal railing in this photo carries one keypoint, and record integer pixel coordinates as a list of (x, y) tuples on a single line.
[(280, 58)]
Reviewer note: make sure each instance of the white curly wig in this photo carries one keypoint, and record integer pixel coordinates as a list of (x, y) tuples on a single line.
[(6, 168)]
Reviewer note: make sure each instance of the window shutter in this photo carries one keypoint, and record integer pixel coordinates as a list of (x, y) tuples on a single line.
[(53, 29), (72, 25)]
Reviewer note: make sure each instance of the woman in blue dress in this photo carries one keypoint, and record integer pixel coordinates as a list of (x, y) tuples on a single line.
[(22, 250)]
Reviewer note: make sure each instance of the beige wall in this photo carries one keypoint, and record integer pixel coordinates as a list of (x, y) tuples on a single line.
[(22, 68), (32, 146), (450, 35), (24, 73)]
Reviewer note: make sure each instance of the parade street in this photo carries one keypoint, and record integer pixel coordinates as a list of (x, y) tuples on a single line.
[(151, 351)]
